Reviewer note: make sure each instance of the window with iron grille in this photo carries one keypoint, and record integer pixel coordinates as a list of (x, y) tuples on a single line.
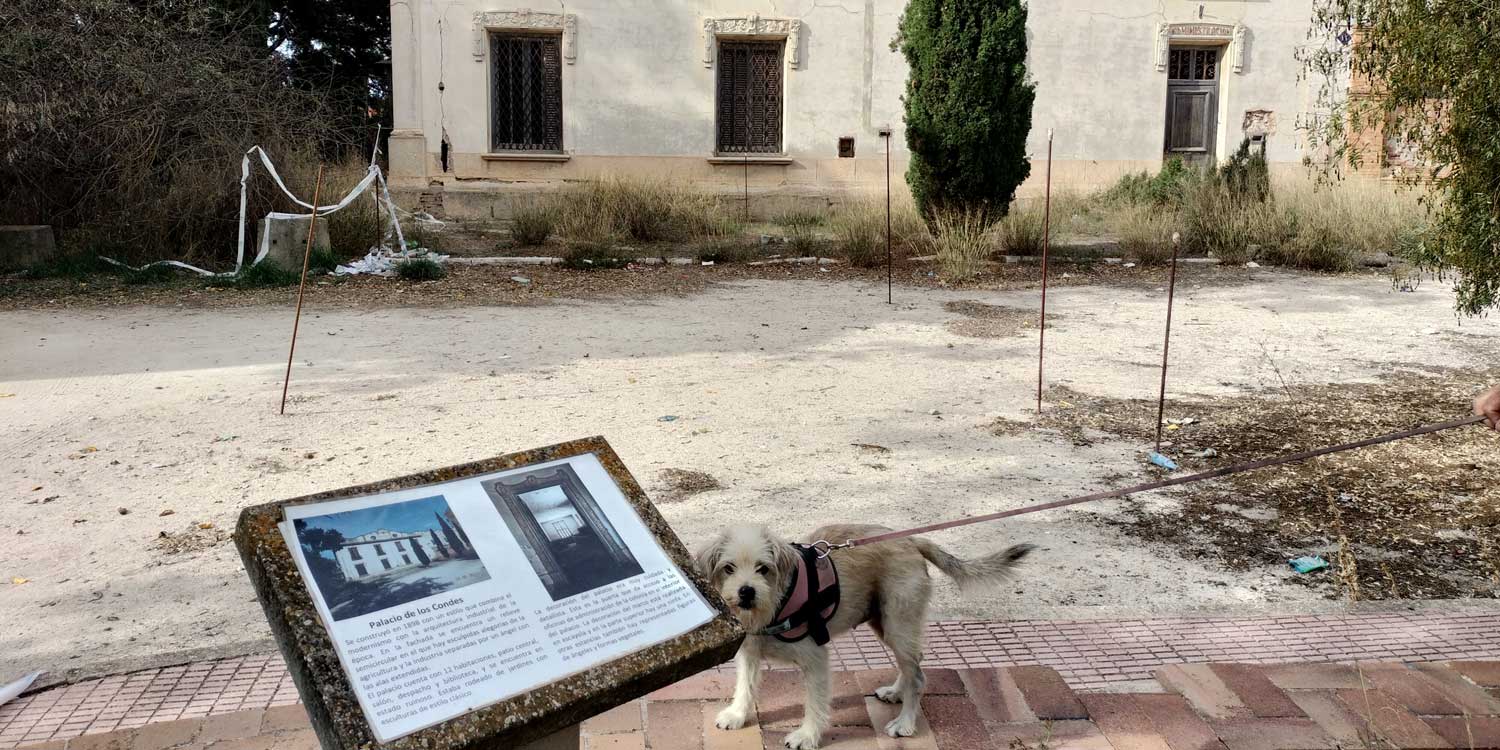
[(1193, 64), (525, 92), (749, 92)]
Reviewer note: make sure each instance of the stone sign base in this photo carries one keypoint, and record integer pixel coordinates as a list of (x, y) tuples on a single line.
[(287, 240), (25, 246)]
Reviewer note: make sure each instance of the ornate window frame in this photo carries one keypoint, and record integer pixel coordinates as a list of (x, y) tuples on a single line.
[(1233, 35), (525, 19), (753, 25)]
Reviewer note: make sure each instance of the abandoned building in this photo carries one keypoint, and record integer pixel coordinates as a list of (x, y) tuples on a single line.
[(493, 98)]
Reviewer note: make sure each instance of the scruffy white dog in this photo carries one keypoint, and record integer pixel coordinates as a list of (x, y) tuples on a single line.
[(884, 584)]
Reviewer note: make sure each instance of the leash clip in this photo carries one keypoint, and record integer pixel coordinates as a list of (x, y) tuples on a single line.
[(824, 548)]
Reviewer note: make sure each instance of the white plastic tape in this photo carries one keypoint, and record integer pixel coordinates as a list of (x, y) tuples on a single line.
[(372, 176)]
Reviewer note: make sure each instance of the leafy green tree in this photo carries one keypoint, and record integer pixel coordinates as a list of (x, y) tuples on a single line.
[(1428, 68), (968, 104)]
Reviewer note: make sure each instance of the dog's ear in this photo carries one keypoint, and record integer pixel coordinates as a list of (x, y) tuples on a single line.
[(784, 554), (707, 558)]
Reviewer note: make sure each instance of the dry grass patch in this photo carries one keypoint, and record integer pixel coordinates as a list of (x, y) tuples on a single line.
[(684, 483), (1405, 520), (195, 538), (1145, 234), (962, 243), (982, 321)]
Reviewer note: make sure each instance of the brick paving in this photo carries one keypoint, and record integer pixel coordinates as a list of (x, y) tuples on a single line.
[(1050, 660), (1222, 706)]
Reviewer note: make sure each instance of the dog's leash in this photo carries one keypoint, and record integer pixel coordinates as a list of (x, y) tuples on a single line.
[(824, 547)]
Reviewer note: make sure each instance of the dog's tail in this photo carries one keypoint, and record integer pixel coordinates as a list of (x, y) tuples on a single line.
[(976, 572)]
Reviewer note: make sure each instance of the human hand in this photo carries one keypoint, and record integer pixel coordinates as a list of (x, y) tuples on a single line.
[(1488, 406)]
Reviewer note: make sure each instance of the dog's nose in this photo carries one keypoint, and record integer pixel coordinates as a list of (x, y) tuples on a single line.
[(747, 595)]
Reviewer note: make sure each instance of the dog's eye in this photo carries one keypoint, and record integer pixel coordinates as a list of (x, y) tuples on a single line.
[(762, 570), (728, 569)]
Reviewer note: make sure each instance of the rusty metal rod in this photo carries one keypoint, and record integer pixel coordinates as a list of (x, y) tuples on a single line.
[(1161, 397), (888, 295), (312, 227), (1041, 351)]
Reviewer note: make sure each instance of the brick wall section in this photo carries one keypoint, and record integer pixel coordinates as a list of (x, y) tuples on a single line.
[(1274, 707)]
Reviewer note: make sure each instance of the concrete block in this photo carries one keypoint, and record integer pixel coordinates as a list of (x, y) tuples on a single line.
[(26, 246), (286, 240)]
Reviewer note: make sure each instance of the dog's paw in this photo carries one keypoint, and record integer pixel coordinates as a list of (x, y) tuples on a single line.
[(802, 739), (730, 718), (889, 694), (901, 726)]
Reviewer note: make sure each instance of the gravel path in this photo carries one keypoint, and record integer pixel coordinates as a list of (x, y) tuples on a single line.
[(809, 401)]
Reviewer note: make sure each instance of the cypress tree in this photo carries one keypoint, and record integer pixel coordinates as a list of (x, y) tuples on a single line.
[(968, 104), (453, 541), (438, 543)]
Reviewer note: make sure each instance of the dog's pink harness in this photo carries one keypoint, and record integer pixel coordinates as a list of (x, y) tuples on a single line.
[(810, 601)]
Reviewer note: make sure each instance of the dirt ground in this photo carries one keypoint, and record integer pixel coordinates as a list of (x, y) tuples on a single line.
[(132, 434)]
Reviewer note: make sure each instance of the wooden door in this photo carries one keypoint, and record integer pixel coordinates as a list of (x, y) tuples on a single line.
[(1192, 104)]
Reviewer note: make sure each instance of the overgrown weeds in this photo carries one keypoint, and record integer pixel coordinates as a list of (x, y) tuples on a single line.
[(267, 273), (1145, 234), (420, 269), (800, 219), (859, 234), (152, 274), (962, 242), (1165, 188), (532, 224), (582, 255), (802, 241), (608, 210), (1022, 230), (76, 266)]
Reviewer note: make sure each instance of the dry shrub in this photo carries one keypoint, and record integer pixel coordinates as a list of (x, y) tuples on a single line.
[(962, 243), (533, 223), (859, 228), (1330, 227), (859, 234), (802, 242), (1145, 234), (1219, 222), (800, 219), (122, 122), (1021, 231), (641, 210)]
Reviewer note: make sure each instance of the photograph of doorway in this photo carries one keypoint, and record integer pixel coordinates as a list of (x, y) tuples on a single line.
[(563, 532)]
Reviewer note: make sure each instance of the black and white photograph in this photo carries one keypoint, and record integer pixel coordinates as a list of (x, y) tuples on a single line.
[(565, 535), (372, 559)]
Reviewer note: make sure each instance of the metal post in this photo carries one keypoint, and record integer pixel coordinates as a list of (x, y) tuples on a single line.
[(312, 227), (1161, 398), (886, 134), (1041, 351)]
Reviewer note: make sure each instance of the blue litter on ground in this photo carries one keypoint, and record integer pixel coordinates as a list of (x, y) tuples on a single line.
[(1163, 461), (1308, 564), (668, 418)]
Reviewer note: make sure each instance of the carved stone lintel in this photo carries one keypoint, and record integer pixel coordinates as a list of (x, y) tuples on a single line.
[(486, 21), (1167, 33), (752, 25)]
